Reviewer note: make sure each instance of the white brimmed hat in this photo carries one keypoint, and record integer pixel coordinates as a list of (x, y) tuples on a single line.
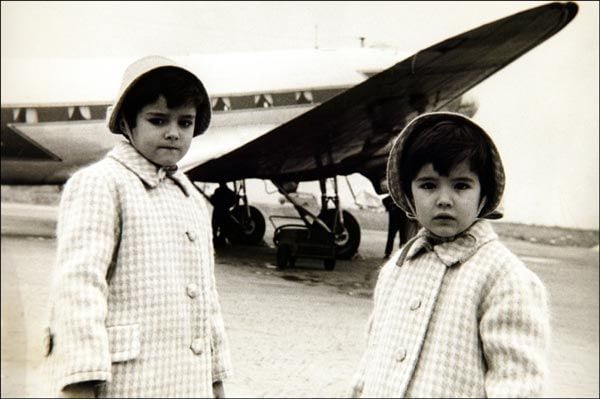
[(394, 173), (137, 70)]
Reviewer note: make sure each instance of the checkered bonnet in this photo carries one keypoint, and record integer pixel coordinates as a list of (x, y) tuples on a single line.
[(132, 75), (394, 174)]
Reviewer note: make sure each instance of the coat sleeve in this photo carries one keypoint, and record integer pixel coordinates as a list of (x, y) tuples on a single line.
[(87, 232), (515, 333), (358, 379), (221, 359)]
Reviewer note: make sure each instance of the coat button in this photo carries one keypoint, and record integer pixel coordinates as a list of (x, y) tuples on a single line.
[(400, 354), (196, 346), (415, 304), (192, 290), (191, 235)]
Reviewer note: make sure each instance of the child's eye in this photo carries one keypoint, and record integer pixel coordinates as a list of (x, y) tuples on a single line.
[(156, 121), (462, 186), (427, 186), (185, 123)]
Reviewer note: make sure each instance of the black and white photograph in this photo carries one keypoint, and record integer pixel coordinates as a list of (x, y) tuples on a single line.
[(253, 199)]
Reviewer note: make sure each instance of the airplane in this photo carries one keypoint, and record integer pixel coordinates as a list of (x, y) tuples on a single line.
[(287, 117)]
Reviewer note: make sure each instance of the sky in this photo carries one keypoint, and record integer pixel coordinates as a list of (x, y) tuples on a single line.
[(542, 110)]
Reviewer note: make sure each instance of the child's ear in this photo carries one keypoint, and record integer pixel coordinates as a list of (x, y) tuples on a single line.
[(481, 205)]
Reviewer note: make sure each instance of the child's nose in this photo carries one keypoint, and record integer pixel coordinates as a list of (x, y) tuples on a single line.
[(444, 198), (172, 133)]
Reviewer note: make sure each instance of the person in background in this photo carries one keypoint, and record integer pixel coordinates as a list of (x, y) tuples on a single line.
[(222, 200), (398, 224)]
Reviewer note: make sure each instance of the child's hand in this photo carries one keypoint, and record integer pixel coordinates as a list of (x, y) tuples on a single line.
[(218, 389), (82, 390), (356, 391)]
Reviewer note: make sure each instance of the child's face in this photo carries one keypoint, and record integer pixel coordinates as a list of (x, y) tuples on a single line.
[(446, 205), (164, 135)]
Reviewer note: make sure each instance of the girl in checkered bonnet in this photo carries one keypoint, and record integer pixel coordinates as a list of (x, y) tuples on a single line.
[(134, 307), (456, 313)]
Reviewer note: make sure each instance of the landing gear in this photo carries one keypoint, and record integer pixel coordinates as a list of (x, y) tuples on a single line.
[(239, 222), (346, 231), (332, 234), (344, 226), (245, 225)]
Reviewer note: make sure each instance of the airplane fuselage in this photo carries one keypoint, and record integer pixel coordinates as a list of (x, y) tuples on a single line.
[(45, 142)]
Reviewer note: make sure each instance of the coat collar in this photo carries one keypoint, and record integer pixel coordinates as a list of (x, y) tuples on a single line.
[(452, 252), (149, 173)]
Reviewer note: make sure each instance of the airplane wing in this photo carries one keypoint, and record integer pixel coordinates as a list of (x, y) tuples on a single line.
[(352, 132)]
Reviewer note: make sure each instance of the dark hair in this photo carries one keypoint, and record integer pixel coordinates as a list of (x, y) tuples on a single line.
[(446, 144), (179, 88)]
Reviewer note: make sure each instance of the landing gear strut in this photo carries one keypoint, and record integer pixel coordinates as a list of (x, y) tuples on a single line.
[(346, 232), (344, 226)]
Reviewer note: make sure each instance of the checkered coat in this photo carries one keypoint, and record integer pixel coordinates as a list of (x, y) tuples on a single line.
[(459, 319), (134, 301)]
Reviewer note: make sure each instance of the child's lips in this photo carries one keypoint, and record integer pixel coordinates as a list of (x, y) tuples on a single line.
[(443, 217)]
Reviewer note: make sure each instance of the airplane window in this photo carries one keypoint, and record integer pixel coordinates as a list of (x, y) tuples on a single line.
[(221, 104), (85, 111), (79, 113), (19, 115), (304, 97), (31, 115), (263, 101)]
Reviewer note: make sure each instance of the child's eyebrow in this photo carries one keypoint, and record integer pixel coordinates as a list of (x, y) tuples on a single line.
[(464, 178), (163, 114), (426, 178), (155, 113)]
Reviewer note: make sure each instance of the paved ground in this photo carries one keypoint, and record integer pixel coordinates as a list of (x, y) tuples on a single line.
[(299, 332)]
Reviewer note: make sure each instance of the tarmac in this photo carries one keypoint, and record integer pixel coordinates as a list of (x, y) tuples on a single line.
[(297, 332)]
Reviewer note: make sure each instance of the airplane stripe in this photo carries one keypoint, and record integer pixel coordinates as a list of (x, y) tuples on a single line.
[(73, 112)]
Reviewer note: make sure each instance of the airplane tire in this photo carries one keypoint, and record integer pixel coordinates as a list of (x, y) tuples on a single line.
[(346, 248), (251, 232)]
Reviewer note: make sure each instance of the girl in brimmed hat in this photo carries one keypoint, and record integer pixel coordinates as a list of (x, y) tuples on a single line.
[(135, 310), (456, 314)]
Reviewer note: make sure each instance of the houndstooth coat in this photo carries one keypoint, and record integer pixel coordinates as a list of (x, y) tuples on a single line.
[(459, 319), (134, 302)]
